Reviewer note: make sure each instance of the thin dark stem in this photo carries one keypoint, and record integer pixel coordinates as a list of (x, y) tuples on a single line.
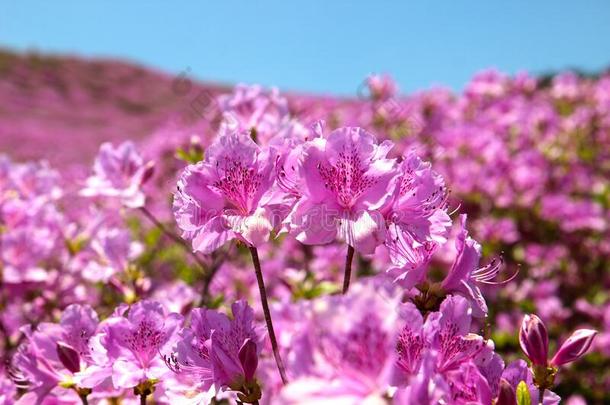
[(173, 237), (218, 260), (265, 304), (142, 399), (348, 268), (84, 400), (541, 399)]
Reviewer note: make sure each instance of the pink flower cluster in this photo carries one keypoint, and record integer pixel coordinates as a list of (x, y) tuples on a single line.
[(105, 297)]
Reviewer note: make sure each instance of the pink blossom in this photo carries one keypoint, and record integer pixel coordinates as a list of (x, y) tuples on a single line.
[(132, 345), (465, 275), (347, 182), (54, 353), (417, 220), (119, 172), (227, 195)]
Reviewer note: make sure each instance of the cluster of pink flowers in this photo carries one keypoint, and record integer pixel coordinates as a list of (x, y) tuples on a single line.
[(314, 250)]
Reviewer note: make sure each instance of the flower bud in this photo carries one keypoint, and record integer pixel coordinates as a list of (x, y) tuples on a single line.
[(68, 357), (574, 347), (507, 394), (149, 170), (534, 340), (248, 359)]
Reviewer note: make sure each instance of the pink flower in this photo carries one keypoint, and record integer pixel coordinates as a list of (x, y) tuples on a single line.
[(111, 251), (119, 173), (344, 349), (252, 108), (417, 220), (381, 87), (218, 350), (228, 195), (450, 334), (133, 345), (54, 353), (465, 275), (347, 182)]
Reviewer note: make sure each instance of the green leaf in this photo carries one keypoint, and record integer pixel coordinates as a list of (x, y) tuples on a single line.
[(523, 394)]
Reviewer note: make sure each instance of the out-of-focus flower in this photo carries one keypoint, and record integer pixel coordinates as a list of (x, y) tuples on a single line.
[(381, 87), (119, 172), (254, 109), (46, 364)]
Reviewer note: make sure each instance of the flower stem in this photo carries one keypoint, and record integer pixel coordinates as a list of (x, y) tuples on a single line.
[(348, 268), (149, 215), (142, 399), (84, 400), (265, 304), (541, 399)]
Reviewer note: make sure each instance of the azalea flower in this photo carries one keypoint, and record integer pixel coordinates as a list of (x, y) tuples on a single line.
[(465, 276), (132, 344), (119, 172), (47, 363), (227, 195), (347, 182), (219, 351), (253, 108), (417, 220)]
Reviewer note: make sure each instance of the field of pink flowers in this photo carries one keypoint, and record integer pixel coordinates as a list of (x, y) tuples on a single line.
[(241, 246)]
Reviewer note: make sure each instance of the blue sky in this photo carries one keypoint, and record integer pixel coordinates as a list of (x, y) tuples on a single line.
[(321, 46)]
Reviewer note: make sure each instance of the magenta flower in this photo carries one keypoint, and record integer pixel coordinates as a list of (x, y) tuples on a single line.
[(111, 251), (227, 195), (347, 182), (465, 275), (235, 346), (345, 351), (119, 173), (512, 375), (450, 334), (252, 108), (411, 340), (417, 220), (219, 351), (134, 343), (46, 364)]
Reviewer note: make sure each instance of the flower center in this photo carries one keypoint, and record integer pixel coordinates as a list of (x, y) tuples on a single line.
[(347, 177), (144, 341), (409, 348), (238, 184)]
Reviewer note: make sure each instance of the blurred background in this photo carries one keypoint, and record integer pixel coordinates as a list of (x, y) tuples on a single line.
[(126, 55)]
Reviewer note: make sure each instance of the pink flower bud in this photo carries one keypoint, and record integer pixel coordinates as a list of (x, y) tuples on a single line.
[(149, 170), (68, 357), (534, 340), (574, 347), (248, 358)]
